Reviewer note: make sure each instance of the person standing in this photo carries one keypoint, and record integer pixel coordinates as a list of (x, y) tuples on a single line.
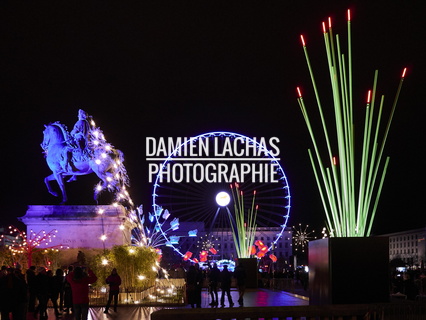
[(226, 278), (199, 285), (42, 293), (240, 276), (114, 282), (59, 286), (30, 273), (4, 312), (214, 277), (79, 282), (191, 286), (68, 293), (55, 287)]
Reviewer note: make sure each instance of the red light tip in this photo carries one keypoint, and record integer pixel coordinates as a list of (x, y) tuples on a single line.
[(329, 22), (404, 72), (349, 14), (369, 96), (303, 40), (298, 92), (324, 30)]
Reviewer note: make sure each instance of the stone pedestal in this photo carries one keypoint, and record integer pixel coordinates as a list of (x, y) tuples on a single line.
[(349, 270), (80, 226)]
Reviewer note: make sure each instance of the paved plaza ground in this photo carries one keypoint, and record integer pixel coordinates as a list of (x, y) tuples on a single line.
[(253, 298)]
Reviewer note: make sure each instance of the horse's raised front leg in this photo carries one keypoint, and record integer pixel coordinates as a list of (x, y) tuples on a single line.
[(47, 182), (59, 179)]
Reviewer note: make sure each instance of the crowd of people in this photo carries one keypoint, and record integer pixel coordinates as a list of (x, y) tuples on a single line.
[(195, 278), (68, 292)]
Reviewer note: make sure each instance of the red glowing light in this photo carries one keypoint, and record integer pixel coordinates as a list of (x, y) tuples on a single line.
[(349, 14), (323, 27), (303, 40), (259, 243), (264, 249), (187, 255), (335, 161), (369, 96), (260, 254), (403, 72), (329, 22), (299, 92)]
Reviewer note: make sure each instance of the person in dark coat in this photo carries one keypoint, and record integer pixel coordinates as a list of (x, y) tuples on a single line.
[(191, 286), (114, 282), (240, 276), (214, 278), (14, 294), (199, 285), (59, 287), (225, 279), (42, 293), (3, 307), (31, 274), (55, 288), (68, 293)]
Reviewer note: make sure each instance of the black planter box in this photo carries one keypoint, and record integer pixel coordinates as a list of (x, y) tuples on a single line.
[(349, 270), (250, 266)]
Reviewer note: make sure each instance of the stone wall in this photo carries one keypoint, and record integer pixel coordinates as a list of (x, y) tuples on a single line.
[(80, 226)]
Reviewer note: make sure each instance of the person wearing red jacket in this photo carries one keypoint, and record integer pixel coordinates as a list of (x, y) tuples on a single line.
[(79, 281), (114, 282)]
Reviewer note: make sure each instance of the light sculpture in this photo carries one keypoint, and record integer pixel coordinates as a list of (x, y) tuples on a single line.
[(349, 190)]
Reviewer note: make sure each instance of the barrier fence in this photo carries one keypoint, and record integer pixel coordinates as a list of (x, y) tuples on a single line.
[(415, 310)]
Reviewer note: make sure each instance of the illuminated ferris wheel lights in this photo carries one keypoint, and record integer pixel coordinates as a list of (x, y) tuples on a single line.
[(223, 199), (170, 196)]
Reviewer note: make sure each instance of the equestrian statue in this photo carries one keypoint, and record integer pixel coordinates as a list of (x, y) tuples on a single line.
[(82, 151)]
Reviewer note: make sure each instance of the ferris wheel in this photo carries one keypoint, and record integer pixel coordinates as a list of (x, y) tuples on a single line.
[(198, 188)]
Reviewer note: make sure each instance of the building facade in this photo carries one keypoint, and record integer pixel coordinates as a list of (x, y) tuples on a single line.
[(409, 246)]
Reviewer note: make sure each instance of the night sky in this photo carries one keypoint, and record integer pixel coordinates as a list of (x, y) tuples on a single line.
[(183, 68)]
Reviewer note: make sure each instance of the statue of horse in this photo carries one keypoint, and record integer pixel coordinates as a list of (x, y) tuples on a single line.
[(64, 158)]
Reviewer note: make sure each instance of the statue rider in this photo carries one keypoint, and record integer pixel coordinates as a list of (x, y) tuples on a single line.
[(79, 137), (81, 129)]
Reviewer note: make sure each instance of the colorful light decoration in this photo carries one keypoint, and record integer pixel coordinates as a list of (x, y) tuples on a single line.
[(203, 256), (187, 255), (301, 237), (148, 232), (349, 194), (100, 151), (244, 229), (28, 244)]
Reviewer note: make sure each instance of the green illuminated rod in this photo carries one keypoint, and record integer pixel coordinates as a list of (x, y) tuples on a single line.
[(349, 192), (244, 228)]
